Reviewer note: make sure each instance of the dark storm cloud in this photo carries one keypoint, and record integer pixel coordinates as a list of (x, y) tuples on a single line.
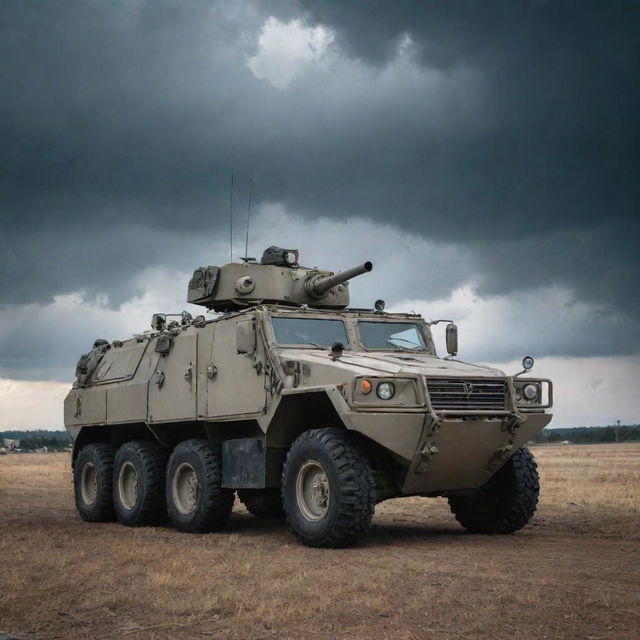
[(123, 117), (557, 179)]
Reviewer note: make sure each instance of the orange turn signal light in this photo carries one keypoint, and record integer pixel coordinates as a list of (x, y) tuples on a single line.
[(365, 387)]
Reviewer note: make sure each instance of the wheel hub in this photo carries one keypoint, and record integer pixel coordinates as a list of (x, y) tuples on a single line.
[(128, 485), (184, 488), (89, 484), (313, 492)]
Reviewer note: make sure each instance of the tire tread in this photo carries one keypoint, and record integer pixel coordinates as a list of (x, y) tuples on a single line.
[(217, 503), (152, 459), (356, 487), (520, 486), (102, 455)]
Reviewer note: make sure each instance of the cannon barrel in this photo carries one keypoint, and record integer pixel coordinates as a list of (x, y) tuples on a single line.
[(319, 285)]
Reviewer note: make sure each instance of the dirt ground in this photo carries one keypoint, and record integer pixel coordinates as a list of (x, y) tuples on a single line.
[(574, 572)]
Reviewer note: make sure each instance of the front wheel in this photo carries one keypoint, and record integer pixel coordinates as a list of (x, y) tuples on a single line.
[(506, 503), (328, 490)]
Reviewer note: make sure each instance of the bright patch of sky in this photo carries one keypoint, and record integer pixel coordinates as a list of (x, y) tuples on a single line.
[(286, 49)]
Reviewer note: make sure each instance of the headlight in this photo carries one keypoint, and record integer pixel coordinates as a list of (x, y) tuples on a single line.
[(385, 390), (531, 394)]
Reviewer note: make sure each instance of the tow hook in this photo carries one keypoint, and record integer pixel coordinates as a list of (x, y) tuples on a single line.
[(498, 458), (430, 447), (428, 451), (512, 424)]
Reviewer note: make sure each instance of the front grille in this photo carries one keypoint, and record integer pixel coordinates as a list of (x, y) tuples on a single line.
[(467, 394)]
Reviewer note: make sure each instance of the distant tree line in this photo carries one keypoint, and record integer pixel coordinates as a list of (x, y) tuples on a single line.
[(38, 439), (585, 435), (624, 433)]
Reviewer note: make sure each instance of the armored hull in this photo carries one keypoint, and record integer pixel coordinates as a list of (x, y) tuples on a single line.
[(307, 410)]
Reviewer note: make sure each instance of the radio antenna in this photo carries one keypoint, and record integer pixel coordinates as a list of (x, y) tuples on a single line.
[(231, 221), (246, 242)]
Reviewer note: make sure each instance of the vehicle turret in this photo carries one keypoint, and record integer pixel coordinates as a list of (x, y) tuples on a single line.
[(277, 279)]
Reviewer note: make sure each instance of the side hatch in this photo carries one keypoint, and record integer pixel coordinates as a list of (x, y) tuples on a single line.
[(234, 372), (172, 387)]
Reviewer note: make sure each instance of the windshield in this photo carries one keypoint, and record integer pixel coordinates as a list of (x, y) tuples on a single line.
[(314, 331), (405, 336)]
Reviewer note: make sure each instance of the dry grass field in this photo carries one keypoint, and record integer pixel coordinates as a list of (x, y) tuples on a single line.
[(574, 572)]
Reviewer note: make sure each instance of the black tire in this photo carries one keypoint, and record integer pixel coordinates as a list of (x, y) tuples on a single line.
[(94, 464), (263, 503), (506, 503), (139, 464), (345, 470), (211, 503)]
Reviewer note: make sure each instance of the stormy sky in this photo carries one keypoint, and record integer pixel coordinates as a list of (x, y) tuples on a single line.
[(485, 156)]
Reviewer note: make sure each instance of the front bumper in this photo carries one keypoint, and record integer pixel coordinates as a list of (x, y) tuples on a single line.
[(457, 454), (446, 453)]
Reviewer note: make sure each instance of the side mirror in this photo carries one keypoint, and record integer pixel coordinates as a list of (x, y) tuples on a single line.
[(246, 336), (452, 339), (158, 321)]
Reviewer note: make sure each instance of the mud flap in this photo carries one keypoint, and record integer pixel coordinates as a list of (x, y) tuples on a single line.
[(247, 463)]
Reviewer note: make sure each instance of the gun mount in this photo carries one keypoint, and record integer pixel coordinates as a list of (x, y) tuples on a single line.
[(318, 286), (237, 286)]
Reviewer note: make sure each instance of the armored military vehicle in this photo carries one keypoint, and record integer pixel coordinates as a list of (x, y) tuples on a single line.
[(304, 407)]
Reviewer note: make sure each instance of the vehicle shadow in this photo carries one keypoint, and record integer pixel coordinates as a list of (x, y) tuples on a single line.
[(390, 534), (379, 534)]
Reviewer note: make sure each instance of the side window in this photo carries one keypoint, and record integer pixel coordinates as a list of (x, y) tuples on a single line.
[(312, 331), (390, 335)]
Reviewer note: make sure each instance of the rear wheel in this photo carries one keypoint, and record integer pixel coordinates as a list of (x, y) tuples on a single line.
[(138, 483), (506, 503), (92, 481), (263, 503), (196, 501), (327, 489)]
